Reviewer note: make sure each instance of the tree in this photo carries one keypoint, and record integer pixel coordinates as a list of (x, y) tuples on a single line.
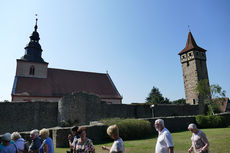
[(179, 101), (209, 93), (155, 97)]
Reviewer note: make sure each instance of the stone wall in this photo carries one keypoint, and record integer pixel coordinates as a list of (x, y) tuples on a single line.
[(81, 108), (25, 116), (97, 132)]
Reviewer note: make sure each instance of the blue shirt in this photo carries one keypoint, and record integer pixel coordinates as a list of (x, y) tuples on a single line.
[(9, 149), (36, 143), (49, 142), (2, 146)]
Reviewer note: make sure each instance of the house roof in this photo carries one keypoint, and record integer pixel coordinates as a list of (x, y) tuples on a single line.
[(191, 45), (61, 82), (223, 103)]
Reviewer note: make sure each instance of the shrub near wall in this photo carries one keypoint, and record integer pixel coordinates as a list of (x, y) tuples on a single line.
[(211, 121), (130, 129)]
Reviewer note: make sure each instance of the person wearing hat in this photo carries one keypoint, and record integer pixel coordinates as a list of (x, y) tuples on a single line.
[(8, 147)]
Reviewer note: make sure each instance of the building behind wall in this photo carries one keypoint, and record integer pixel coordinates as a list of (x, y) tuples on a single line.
[(193, 60), (34, 81)]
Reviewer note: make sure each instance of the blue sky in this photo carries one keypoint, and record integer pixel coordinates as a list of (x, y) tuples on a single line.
[(137, 42)]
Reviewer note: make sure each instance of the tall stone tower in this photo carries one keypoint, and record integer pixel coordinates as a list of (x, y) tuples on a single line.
[(32, 64), (193, 60)]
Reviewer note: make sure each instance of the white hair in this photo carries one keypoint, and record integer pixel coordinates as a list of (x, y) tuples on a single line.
[(192, 126), (160, 122), (35, 132), (15, 136)]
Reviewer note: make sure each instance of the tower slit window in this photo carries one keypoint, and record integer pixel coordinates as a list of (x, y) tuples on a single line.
[(32, 69)]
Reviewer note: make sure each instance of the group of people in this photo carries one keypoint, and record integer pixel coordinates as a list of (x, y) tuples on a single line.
[(164, 143), (79, 143), (14, 143)]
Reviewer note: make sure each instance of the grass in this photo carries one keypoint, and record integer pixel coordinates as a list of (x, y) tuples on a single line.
[(219, 139)]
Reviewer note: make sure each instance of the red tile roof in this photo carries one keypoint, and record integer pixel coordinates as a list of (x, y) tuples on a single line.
[(191, 45), (223, 104), (61, 82)]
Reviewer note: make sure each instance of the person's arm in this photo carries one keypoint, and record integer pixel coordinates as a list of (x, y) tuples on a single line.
[(105, 148), (205, 141), (169, 142), (46, 148), (70, 141), (170, 149), (190, 149)]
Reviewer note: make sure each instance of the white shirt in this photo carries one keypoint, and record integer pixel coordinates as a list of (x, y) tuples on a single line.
[(118, 145), (164, 141), (74, 141)]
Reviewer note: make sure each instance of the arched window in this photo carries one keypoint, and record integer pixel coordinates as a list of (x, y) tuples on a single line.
[(32, 69), (194, 101)]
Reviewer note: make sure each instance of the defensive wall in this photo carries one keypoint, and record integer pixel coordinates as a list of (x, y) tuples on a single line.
[(98, 132), (25, 116), (80, 109)]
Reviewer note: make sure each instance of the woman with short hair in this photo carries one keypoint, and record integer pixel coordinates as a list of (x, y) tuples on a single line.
[(47, 144), (83, 144), (118, 144), (18, 141), (200, 142)]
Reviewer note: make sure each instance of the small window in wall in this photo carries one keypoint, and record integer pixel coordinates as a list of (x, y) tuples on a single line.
[(197, 53), (194, 101), (202, 54), (190, 54), (183, 56), (187, 63), (32, 69)]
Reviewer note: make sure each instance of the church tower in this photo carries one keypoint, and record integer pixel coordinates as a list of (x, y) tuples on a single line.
[(193, 60), (32, 64)]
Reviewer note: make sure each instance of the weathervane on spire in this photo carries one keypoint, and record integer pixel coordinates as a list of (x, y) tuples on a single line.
[(36, 26), (189, 28)]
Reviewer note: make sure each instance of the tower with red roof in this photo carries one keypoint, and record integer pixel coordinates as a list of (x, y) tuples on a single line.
[(193, 60)]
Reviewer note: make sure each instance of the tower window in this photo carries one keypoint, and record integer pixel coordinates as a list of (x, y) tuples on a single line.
[(197, 53), (194, 101), (32, 69), (190, 54), (187, 63)]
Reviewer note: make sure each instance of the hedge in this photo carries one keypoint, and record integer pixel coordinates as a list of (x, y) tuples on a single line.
[(210, 121), (131, 129)]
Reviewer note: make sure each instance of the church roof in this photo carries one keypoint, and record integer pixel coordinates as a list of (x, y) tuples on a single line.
[(61, 82), (191, 45)]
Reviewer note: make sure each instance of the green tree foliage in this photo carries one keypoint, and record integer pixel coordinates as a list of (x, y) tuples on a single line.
[(155, 97), (209, 93), (179, 101)]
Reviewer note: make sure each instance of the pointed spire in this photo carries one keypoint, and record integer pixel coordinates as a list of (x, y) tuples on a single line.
[(191, 45), (33, 48), (36, 25)]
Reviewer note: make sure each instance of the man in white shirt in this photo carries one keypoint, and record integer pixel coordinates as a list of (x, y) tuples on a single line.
[(164, 141)]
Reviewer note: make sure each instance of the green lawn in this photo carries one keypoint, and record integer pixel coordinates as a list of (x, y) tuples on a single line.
[(219, 140)]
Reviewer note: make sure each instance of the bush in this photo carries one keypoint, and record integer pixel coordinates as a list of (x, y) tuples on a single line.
[(210, 121), (130, 129)]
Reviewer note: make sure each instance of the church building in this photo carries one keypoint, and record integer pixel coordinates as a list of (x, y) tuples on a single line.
[(34, 81)]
